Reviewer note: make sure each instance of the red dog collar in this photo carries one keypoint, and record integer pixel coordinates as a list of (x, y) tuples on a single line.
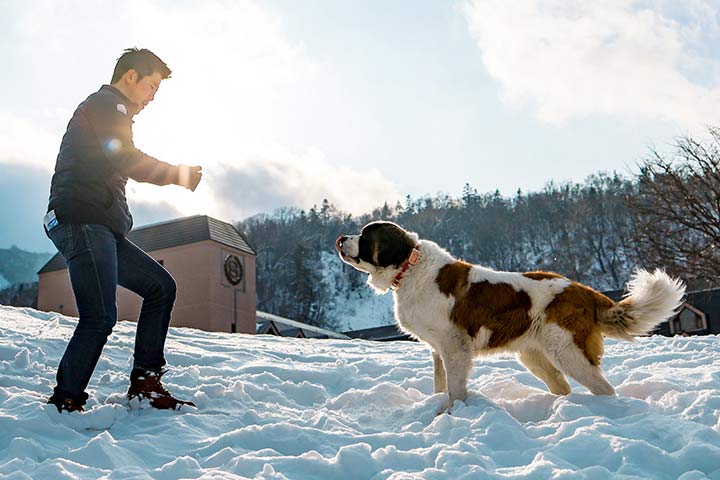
[(411, 260)]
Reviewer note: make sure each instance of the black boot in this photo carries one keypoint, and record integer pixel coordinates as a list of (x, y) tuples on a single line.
[(69, 403), (145, 384)]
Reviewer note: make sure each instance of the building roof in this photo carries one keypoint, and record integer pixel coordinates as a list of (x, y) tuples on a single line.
[(173, 233), (269, 323), (384, 333), (615, 295)]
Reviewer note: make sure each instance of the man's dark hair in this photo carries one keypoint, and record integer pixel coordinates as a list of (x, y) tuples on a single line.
[(143, 61)]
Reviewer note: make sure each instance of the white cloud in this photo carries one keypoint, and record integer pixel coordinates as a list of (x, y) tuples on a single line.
[(24, 143), (233, 100), (264, 182), (619, 57), (281, 178)]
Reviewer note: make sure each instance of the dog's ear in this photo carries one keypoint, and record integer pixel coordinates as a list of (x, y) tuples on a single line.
[(394, 253), (387, 244)]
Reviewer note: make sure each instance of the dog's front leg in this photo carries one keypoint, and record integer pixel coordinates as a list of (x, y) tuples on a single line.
[(440, 377), (457, 356), (457, 365)]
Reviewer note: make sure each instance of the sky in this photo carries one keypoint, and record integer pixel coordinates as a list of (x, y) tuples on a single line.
[(300, 409), (286, 103)]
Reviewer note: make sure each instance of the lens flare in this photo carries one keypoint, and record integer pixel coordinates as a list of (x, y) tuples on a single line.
[(113, 145)]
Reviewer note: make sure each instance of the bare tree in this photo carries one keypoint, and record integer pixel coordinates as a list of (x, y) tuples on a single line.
[(677, 209)]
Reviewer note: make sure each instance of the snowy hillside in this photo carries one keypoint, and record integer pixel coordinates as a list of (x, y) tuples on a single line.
[(352, 308), (276, 408), (20, 266)]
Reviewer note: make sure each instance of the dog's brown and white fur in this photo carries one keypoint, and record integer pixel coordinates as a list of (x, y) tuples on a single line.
[(462, 310)]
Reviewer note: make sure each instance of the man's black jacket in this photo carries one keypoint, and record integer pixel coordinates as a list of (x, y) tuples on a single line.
[(97, 156)]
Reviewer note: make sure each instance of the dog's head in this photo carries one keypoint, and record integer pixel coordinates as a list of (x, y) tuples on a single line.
[(379, 250)]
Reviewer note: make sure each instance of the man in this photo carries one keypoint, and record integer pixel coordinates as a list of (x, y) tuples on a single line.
[(88, 219)]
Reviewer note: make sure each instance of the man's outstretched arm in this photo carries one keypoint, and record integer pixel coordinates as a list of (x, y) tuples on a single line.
[(113, 131)]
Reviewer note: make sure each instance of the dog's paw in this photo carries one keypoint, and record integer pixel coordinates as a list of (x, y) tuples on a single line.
[(448, 408), (438, 402), (444, 409)]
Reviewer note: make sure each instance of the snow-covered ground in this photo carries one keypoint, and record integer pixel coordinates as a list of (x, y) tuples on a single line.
[(276, 408)]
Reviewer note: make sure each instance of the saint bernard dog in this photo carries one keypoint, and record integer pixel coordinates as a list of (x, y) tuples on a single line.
[(462, 310)]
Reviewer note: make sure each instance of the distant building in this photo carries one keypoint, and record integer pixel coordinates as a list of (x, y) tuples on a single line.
[(213, 265), (699, 315), (269, 324)]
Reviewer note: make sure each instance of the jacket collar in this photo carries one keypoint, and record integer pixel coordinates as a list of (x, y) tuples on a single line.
[(132, 106)]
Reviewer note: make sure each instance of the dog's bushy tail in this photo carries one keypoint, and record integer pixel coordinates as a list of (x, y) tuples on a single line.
[(652, 298)]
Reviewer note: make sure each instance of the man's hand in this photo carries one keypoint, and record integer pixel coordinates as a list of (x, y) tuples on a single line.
[(189, 176)]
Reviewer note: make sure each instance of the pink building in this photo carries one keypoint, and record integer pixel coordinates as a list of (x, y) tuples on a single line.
[(213, 265)]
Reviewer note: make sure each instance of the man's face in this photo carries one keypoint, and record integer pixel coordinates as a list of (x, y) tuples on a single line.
[(143, 91)]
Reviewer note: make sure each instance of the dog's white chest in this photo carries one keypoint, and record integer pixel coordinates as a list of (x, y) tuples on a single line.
[(424, 314)]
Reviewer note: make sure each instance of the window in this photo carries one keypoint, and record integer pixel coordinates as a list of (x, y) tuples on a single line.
[(690, 319)]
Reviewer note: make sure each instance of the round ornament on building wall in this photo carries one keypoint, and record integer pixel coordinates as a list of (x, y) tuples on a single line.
[(233, 269)]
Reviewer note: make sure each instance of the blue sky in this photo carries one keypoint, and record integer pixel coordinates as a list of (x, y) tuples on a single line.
[(288, 102)]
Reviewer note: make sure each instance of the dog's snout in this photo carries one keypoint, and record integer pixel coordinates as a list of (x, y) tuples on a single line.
[(339, 242)]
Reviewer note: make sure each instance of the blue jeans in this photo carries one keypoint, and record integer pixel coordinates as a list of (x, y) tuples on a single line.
[(97, 263)]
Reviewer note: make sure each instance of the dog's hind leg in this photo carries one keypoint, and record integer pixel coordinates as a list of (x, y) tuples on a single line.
[(597, 383), (440, 376), (581, 365), (574, 363), (540, 366)]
